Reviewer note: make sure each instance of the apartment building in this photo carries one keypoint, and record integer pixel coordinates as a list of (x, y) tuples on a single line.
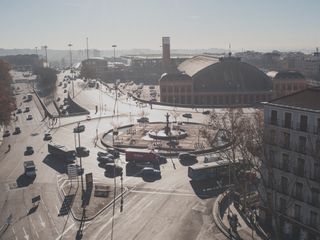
[(290, 186)]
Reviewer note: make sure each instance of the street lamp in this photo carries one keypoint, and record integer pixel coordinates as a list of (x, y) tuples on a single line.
[(36, 50), (70, 45), (114, 52)]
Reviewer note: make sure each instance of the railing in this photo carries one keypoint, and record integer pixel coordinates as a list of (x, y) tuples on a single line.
[(287, 124), (302, 128)]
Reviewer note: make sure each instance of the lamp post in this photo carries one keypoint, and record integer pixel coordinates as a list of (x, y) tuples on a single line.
[(70, 45), (36, 50), (114, 52)]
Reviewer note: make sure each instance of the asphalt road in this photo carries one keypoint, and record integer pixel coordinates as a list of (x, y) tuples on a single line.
[(167, 208)]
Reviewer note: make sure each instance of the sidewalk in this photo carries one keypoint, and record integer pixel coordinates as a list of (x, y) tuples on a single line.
[(244, 229)]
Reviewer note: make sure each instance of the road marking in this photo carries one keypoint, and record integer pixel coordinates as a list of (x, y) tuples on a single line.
[(65, 231), (41, 221), (57, 210), (26, 236), (165, 193)]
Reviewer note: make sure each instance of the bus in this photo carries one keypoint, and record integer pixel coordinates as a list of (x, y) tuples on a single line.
[(217, 170)]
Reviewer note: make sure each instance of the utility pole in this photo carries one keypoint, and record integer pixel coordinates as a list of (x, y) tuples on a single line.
[(114, 53), (36, 50), (45, 49), (70, 45), (82, 189)]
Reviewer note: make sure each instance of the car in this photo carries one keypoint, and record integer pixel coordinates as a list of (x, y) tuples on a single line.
[(143, 120), (150, 172), (105, 159), (162, 159), (6, 133), (82, 151), (29, 117), (58, 99), (17, 130), (29, 150), (113, 169), (114, 152), (60, 84), (64, 91), (105, 154), (187, 157), (206, 112), (187, 115), (79, 129), (47, 136), (27, 109), (19, 111)]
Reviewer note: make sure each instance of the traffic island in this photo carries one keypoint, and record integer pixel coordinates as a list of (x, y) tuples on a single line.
[(86, 205)]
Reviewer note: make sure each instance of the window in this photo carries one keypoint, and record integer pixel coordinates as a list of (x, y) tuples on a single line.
[(163, 89), (284, 185), (271, 158), (282, 205), (287, 120), (270, 180), (303, 123), (302, 144), (318, 126), (315, 197), (272, 136), (299, 187), (189, 89), (170, 89), (316, 172), (182, 89), (297, 212), (175, 89), (289, 87), (274, 119), (313, 219), (300, 167), (286, 140), (285, 162)]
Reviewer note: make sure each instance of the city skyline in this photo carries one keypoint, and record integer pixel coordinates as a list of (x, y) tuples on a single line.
[(251, 25)]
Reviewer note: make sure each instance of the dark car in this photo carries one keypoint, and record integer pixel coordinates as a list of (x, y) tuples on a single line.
[(82, 152), (65, 90), (187, 115), (143, 120), (47, 137), (105, 159), (113, 169), (114, 152), (17, 130), (19, 110), (79, 129), (29, 117), (187, 156), (207, 112), (150, 172), (27, 109), (29, 150), (106, 154), (6, 133)]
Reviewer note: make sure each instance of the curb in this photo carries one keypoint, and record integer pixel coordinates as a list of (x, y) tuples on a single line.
[(217, 218)]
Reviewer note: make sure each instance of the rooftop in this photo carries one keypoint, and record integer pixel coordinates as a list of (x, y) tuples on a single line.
[(306, 99), (194, 65), (288, 75)]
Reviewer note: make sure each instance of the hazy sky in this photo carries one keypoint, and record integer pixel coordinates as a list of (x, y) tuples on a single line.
[(246, 24)]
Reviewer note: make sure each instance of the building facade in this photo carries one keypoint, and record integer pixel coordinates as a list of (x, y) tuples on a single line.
[(210, 81), (290, 171)]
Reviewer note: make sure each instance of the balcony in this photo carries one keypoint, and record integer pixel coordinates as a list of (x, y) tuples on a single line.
[(298, 196), (302, 128), (285, 145), (301, 148), (274, 122), (287, 124)]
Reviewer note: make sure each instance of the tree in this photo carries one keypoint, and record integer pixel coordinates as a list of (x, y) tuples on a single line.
[(7, 101), (46, 81)]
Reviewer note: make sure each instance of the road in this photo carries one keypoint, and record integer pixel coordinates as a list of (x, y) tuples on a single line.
[(163, 209)]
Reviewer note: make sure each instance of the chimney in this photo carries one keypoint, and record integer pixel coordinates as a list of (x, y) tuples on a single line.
[(166, 53)]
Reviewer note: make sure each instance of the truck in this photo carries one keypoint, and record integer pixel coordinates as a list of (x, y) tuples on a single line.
[(29, 168), (142, 156), (61, 151)]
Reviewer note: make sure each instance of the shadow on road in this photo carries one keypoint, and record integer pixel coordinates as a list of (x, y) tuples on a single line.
[(58, 164), (188, 162), (66, 205), (24, 181)]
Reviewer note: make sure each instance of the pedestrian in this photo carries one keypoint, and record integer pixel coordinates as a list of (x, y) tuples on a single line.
[(9, 147)]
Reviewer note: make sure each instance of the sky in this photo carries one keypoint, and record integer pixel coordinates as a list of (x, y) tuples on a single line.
[(259, 25)]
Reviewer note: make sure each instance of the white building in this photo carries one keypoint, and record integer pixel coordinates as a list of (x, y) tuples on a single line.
[(290, 183)]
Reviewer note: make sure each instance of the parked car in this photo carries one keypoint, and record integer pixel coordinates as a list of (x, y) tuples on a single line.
[(79, 129), (150, 172), (187, 115), (29, 117), (47, 136), (114, 152), (27, 109), (29, 150), (64, 91), (82, 152), (106, 154), (17, 130), (187, 157), (6, 133), (143, 120), (105, 159), (206, 112), (113, 169), (19, 111)]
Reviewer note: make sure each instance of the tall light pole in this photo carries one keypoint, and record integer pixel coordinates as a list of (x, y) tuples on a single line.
[(70, 45), (114, 52), (36, 50)]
